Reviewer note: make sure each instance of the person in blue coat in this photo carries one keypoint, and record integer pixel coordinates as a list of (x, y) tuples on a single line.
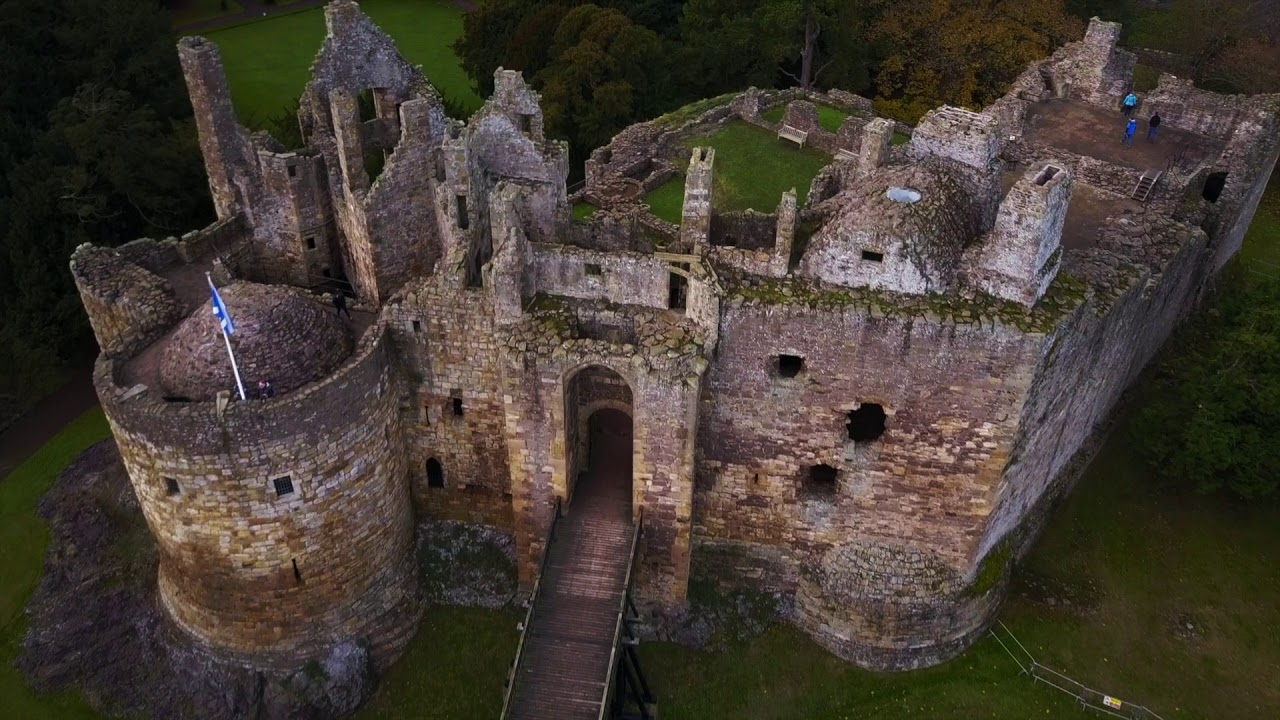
[(1129, 130), (1130, 102)]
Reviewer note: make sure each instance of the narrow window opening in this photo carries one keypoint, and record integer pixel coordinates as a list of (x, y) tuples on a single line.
[(757, 478), (1046, 175), (417, 326), (790, 366), (1213, 186), (526, 123), (297, 574), (872, 256), (311, 243), (821, 480), (591, 269), (171, 486), (326, 272), (440, 169), (435, 473), (866, 423), (374, 162), (677, 291), (283, 485), (463, 221), (366, 105), (293, 171), (457, 407)]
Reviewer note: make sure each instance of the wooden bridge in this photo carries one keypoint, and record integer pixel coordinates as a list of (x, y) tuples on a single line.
[(576, 657)]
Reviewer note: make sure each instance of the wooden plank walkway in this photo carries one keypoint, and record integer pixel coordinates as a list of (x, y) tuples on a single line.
[(565, 665)]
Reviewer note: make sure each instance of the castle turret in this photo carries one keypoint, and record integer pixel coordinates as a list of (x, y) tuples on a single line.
[(1021, 256)]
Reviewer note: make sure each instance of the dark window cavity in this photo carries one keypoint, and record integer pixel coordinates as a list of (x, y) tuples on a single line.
[(790, 366), (457, 406), (284, 486), (591, 269), (821, 480), (297, 574), (463, 221), (866, 423), (293, 171), (435, 473), (677, 289), (872, 256), (417, 326), (1213, 186), (171, 486), (311, 243), (526, 123)]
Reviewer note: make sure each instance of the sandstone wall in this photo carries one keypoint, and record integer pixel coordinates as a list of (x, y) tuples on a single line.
[(128, 307), (616, 277), (448, 343), (917, 497), (268, 577)]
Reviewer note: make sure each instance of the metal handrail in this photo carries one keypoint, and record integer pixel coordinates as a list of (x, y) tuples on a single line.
[(528, 615), (622, 611)]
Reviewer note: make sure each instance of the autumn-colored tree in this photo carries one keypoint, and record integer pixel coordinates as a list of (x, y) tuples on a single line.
[(962, 52)]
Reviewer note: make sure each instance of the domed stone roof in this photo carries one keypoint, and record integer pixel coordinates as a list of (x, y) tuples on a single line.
[(279, 336)]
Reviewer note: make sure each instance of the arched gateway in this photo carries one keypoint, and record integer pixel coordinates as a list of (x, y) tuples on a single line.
[(599, 445)]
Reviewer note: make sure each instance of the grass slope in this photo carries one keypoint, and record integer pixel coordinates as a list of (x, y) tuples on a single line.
[(185, 12), (24, 537), (454, 669), (829, 118), (268, 62)]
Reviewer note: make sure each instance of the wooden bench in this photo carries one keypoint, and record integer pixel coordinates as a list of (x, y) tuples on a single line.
[(793, 134)]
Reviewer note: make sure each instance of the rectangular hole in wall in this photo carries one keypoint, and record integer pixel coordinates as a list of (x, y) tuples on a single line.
[(311, 243), (326, 272), (872, 256), (171, 486), (790, 366), (463, 221), (297, 574), (417, 326), (457, 406), (677, 290), (526, 123), (1046, 175), (591, 269), (283, 485), (293, 171)]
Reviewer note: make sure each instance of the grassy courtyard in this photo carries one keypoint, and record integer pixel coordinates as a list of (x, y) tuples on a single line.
[(752, 170), (268, 62), (829, 118), (184, 12)]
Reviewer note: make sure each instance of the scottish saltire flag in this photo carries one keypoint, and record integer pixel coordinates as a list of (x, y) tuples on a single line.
[(220, 312)]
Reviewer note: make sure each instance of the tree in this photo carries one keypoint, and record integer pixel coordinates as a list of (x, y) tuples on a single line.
[(96, 145), (961, 52), (1214, 413)]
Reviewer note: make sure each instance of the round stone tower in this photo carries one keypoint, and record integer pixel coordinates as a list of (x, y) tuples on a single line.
[(284, 525)]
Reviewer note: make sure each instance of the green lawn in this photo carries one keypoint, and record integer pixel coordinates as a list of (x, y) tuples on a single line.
[(455, 668), (900, 139), (829, 118), (185, 12), (24, 537), (752, 170), (268, 62), (584, 210)]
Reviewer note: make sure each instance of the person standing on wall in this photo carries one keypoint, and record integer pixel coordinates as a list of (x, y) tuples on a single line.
[(1130, 102), (1152, 126), (340, 303), (1129, 130)]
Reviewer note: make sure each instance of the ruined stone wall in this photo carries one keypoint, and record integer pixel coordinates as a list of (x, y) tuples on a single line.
[(1100, 174), (1248, 160), (446, 338), (1185, 107), (1020, 256), (916, 496), (615, 277), (128, 307), (229, 541)]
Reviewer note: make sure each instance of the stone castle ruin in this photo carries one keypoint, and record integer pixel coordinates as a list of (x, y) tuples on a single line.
[(865, 400)]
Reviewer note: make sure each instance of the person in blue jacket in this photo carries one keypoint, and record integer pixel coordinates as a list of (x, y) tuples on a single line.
[(1129, 130), (1130, 102)]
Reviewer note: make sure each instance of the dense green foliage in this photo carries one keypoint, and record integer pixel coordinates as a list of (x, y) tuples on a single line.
[(1214, 419), (96, 145)]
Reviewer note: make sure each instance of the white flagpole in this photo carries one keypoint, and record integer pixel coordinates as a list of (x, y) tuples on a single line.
[(227, 339)]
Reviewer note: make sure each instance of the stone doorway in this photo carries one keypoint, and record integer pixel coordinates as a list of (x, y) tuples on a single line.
[(599, 436)]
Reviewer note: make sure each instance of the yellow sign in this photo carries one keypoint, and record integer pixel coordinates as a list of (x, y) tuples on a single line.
[(1111, 702)]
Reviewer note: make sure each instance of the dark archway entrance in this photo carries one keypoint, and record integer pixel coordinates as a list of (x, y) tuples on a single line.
[(598, 437)]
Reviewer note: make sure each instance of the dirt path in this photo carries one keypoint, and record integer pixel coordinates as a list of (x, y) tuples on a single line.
[(46, 419), (256, 11)]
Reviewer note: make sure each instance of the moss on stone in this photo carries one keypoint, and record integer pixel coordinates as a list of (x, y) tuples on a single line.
[(1064, 295), (692, 111), (993, 569)]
